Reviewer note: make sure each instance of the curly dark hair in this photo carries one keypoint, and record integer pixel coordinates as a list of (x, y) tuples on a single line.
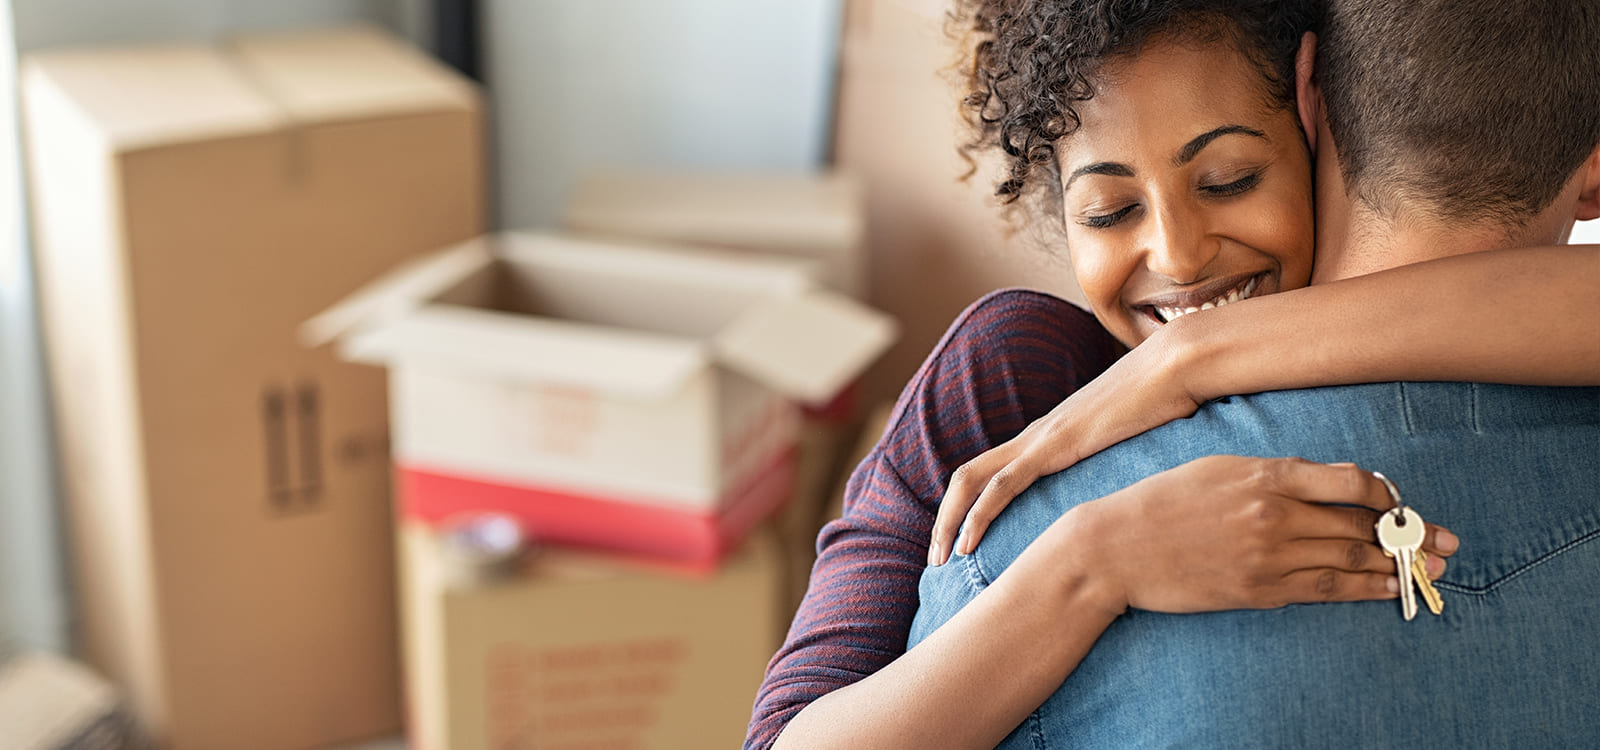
[(1027, 62)]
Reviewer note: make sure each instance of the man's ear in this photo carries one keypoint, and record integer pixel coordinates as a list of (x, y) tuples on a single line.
[(1589, 189), (1307, 93)]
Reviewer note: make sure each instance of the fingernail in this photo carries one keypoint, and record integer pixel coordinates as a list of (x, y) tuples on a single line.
[(1394, 585), (1447, 541), (934, 556), (1435, 567)]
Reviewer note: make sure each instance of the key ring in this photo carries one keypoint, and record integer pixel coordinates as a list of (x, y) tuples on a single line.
[(1394, 492)]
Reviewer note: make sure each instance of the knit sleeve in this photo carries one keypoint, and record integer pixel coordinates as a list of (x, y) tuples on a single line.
[(1007, 360)]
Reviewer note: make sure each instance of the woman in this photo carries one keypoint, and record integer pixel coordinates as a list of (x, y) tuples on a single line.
[(1244, 176)]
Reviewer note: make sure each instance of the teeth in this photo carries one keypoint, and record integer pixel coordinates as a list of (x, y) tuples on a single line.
[(1168, 314)]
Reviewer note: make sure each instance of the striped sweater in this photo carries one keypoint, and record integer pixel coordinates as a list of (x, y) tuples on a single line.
[(1006, 361)]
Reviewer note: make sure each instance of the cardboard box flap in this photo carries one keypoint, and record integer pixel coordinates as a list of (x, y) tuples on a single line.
[(807, 346), (519, 348), (347, 73), (147, 96), (398, 292)]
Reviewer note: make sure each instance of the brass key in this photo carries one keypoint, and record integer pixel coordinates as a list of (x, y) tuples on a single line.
[(1430, 595)]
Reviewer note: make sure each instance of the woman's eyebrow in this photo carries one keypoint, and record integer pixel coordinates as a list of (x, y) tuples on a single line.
[(1193, 147), (1111, 168)]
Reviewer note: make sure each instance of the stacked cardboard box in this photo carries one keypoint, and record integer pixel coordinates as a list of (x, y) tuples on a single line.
[(583, 650), (227, 490), (641, 399)]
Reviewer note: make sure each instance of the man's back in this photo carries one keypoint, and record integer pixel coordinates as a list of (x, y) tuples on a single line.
[(1514, 472)]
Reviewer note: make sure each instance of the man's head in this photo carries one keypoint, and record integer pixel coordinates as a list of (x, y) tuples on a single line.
[(1465, 111)]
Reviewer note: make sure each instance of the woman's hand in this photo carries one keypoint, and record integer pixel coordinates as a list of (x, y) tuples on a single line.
[(1143, 390), (1228, 532)]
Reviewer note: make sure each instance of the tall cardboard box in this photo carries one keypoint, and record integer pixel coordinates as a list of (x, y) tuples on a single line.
[(586, 651), (227, 489)]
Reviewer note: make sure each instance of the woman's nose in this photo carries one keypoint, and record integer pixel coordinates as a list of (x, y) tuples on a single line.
[(1178, 244)]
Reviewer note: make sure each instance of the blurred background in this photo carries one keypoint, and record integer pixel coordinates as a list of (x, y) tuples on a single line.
[(218, 531)]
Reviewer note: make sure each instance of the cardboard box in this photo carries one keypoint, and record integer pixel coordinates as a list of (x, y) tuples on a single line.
[(226, 490), (638, 398), (586, 651), (49, 703), (815, 216)]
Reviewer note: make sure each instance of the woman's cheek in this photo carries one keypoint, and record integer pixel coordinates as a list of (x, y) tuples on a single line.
[(1095, 267)]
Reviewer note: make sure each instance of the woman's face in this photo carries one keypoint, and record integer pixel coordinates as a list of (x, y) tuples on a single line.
[(1182, 189)]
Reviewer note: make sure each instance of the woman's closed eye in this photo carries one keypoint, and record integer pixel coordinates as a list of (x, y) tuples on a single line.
[(1243, 184), (1101, 221)]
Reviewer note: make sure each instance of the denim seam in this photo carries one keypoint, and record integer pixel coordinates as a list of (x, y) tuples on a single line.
[(974, 578), (1472, 408), (1405, 408), (1036, 729), (1542, 559)]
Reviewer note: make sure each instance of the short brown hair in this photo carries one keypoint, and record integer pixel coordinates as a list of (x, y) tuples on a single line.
[(1476, 109)]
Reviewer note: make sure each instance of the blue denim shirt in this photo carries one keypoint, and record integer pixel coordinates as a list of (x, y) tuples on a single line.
[(1514, 661)]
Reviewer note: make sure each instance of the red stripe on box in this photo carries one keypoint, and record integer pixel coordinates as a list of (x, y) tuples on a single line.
[(838, 411), (693, 539)]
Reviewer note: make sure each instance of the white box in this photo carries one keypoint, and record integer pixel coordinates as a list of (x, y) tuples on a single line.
[(642, 376)]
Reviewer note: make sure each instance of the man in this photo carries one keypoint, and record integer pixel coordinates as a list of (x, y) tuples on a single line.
[(1449, 125)]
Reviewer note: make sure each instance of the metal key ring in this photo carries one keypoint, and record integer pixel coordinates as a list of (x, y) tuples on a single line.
[(1394, 492)]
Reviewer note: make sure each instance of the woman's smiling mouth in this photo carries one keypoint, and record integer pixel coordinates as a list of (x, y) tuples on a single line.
[(1167, 309)]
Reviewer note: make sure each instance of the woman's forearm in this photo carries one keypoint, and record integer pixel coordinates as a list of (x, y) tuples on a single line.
[(978, 676), (1525, 316)]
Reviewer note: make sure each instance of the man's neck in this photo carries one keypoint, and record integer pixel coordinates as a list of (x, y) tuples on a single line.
[(1357, 241)]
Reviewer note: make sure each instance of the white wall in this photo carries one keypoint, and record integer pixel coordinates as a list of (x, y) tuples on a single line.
[(33, 610), (710, 84), (1586, 233), (50, 23)]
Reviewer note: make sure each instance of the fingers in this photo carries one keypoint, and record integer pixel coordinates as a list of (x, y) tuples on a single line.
[(1002, 488), (1312, 521), (1331, 585), (1348, 555), (1345, 484), (1440, 541), (1348, 484), (966, 483), (1350, 524)]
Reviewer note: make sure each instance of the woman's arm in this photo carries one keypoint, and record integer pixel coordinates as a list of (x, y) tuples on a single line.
[(1006, 361), (1525, 316), (1222, 532)]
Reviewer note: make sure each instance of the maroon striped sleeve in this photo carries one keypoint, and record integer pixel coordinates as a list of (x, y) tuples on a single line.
[(1006, 361)]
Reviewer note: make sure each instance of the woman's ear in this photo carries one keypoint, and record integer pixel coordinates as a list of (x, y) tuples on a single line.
[(1589, 189), (1307, 94)]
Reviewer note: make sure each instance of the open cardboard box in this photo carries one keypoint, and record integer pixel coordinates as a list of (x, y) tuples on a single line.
[(638, 398)]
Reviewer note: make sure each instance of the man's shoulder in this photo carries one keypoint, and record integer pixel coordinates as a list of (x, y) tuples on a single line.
[(1408, 408)]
